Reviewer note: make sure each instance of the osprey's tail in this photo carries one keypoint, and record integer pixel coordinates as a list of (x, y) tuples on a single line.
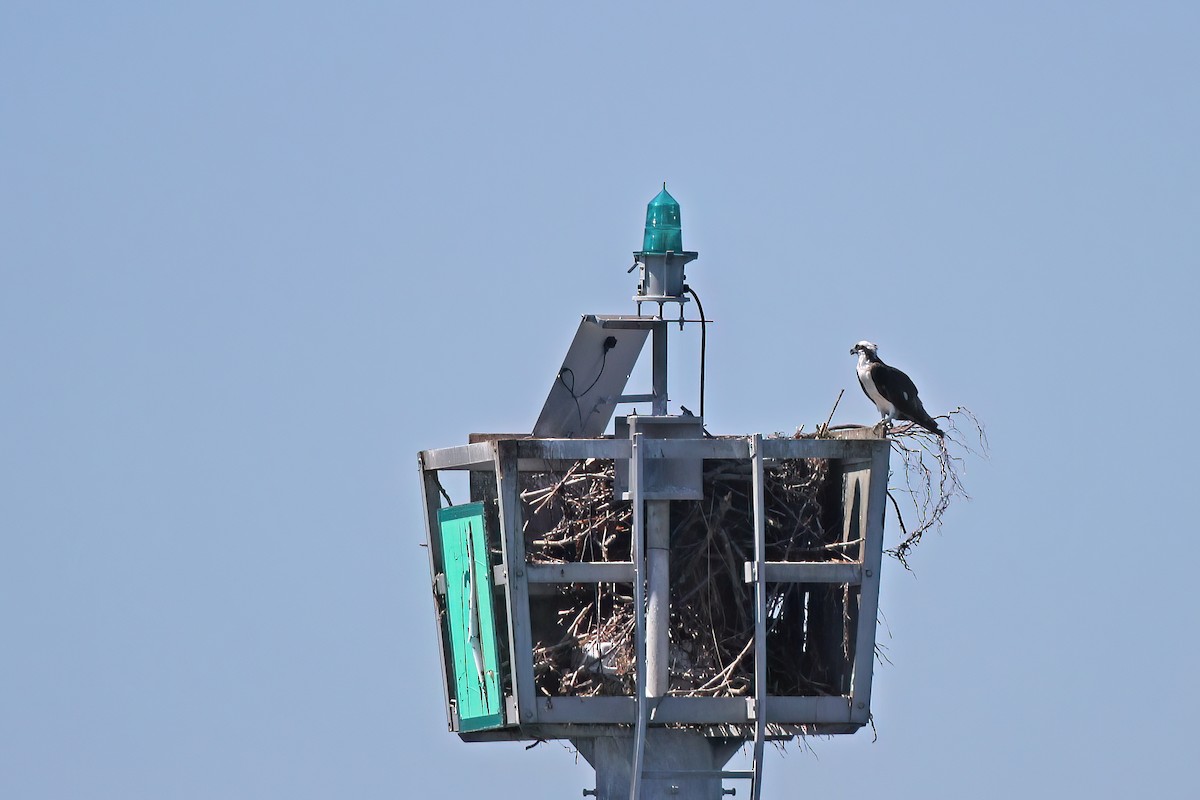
[(921, 417), (927, 422)]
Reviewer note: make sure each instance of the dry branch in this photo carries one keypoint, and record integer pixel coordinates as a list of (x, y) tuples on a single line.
[(932, 470)]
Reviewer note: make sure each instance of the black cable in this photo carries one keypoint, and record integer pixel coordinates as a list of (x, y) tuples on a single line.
[(609, 344), (703, 340), (571, 391), (442, 489), (603, 363)]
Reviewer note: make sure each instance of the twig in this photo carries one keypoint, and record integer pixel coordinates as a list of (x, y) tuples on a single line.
[(824, 429)]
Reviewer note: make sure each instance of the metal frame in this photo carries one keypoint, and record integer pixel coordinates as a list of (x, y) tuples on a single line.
[(430, 501), (760, 613), (516, 587), (636, 467), (865, 463)]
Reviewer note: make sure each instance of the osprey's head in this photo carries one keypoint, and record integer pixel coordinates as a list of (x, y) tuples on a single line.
[(864, 347)]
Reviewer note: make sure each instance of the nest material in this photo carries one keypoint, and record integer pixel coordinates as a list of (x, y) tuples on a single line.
[(584, 632), (932, 468)]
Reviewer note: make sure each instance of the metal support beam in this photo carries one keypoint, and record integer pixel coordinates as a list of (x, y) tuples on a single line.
[(658, 606), (590, 711), (636, 398), (679, 764), (478, 456), (520, 639), (463, 456), (636, 475), (760, 612), (579, 572), (431, 501), (870, 524), (807, 572), (658, 346)]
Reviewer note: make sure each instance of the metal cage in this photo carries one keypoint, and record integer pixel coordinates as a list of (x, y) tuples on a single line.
[(861, 463)]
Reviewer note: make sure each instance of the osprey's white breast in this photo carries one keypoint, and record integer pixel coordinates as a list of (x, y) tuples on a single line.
[(864, 377)]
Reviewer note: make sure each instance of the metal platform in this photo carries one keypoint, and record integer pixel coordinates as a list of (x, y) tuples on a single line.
[(862, 463)]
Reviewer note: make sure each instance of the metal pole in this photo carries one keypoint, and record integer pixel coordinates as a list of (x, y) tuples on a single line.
[(677, 765), (760, 613), (658, 543), (658, 583), (658, 346), (433, 546), (643, 713)]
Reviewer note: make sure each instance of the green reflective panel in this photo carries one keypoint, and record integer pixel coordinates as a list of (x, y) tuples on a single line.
[(470, 617)]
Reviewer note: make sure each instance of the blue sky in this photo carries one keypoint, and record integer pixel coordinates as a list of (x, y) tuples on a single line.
[(253, 256)]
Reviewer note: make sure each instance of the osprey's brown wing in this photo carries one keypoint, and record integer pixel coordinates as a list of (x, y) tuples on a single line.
[(898, 389)]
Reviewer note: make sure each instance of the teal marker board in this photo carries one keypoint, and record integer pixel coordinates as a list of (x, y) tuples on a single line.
[(470, 618)]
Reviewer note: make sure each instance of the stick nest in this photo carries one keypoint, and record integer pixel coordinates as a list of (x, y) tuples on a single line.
[(584, 633)]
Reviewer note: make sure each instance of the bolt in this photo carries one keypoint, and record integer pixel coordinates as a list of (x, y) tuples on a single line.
[(869, 573), (528, 714), (862, 705), (519, 572), (591, 792), (729, 791)]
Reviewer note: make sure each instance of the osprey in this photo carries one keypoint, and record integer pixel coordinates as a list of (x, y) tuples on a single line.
[(892, 392)]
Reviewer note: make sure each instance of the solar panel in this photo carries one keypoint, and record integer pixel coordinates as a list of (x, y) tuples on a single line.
[(593, 375)]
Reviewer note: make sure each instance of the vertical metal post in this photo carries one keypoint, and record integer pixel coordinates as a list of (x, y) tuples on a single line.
[(853, 484), (520, 638), (658, 544), (760, 613), (678, 764), (658, 606), (658, 347), (870, 524), (636, 476), (431, 502)]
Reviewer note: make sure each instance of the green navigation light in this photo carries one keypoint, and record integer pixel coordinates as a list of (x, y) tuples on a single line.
[(663, 232)]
